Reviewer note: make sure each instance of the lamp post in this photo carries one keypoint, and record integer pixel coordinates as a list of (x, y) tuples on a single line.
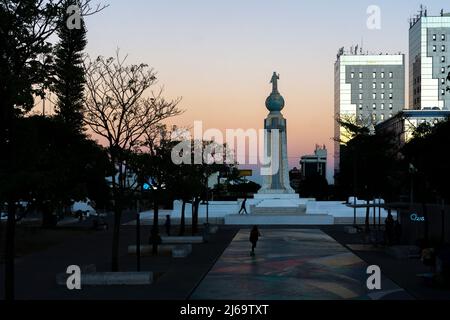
[(138, 236)]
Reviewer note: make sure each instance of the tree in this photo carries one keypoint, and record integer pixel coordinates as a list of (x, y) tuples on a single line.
[(57, 166), (25, 27), (368, 163), (69, 73), (118, 110)]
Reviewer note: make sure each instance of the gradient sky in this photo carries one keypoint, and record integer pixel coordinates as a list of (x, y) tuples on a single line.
[(219, 55)]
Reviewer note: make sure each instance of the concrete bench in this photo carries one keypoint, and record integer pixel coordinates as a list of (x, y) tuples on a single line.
[(182, 240), (148, 249), (350, 230), (177, 251), (182, 251), (111, 278)]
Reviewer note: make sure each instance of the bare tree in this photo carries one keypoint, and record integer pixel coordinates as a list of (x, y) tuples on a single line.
[(118, 109)]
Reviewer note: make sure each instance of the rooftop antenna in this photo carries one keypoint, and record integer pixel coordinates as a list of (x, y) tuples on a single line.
[(362, 45), (442, 12)]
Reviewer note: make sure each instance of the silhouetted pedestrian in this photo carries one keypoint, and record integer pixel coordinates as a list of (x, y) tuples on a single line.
[(389, 225), (154, 240), (243, 206), (254, 236), (168, 224)]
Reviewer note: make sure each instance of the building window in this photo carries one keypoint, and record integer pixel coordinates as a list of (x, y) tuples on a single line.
[(374, 117), (434, 37), (443, 48), (443, 59), (391, 75), (443, 92), (382, 75), (434, 48), (443, 81), (382, 96), (374, 106), (443, 37), (390, 106), (352, 75), (374, 85), (360, 117), (391, 85), (360, 107), (360, 85), (374, 96), (374, 75), (382, 85), (443, 70), (391, 96), (390, 115), (360, 75), (360, 96), (382, 117)]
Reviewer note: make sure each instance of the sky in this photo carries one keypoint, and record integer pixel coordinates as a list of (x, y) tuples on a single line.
[(219, 55)]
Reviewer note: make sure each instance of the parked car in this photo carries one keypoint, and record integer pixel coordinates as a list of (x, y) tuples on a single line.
[(84, 208)]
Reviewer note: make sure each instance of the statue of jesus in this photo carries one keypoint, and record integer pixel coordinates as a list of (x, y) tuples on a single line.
[(274, 82)]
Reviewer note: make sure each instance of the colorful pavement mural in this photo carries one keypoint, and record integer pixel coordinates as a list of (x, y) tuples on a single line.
[(291, 265)]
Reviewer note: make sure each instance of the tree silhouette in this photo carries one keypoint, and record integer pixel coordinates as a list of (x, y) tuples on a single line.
[(69, 73), (25, 27), (118, 110)]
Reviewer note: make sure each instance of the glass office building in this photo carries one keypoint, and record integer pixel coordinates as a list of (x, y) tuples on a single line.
[(429, 62)]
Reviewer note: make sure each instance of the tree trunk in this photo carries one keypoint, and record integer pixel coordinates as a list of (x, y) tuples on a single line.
[(183, 218), (49, 219), (427, 225), (195, 216), (367, 222), (10, 252), (155, 229), (116, 232)]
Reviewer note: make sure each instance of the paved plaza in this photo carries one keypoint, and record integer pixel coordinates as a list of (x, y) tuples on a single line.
[(291, 264)]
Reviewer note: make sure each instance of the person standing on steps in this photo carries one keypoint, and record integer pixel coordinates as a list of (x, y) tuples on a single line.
[(243, 206), (254, 236)]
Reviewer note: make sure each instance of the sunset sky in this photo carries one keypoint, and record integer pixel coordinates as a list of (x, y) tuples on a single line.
[(219, 55)]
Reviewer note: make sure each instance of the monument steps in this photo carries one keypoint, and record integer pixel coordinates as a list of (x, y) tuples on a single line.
[(279, 210)]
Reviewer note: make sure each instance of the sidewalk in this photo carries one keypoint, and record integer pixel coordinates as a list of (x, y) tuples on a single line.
[(176, 278), (291, 264)]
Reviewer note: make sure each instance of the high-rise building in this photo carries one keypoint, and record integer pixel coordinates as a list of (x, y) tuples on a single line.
[(368, 90), (429, 62)]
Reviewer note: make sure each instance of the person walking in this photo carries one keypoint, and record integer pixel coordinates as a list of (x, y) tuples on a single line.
[(254, 236), (243, 206)]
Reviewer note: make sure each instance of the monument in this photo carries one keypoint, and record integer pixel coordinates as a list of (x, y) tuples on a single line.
[(276, 195), (276, 180)]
